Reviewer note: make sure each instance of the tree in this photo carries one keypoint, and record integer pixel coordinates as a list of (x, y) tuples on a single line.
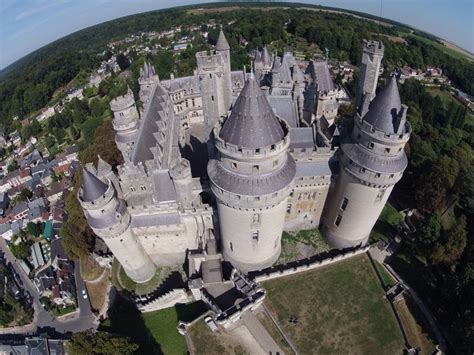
[(12, 166), (34, 228), (428, 234), (123, 61), (89, 342), (24, 195), (450, 248)]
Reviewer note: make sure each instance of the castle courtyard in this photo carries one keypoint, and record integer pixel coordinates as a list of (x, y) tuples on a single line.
[(338, 309)]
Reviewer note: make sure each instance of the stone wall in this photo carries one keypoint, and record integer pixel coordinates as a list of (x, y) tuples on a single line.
[(169, 299), (291, 270)]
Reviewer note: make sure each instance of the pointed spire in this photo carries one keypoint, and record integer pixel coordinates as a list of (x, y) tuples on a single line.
[(92, 187), (258, 57), (385, 108), (265, 56), (222, 44), (145, 70), (252, 123)]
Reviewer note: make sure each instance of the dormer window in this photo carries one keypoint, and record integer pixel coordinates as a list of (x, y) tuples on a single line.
[(371, 145)]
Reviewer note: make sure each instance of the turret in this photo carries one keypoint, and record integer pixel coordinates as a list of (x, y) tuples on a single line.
[(108, 217), (147, 80), (222, 47), (372, 161), (125, 123), (251, 179), (214, 73), (372, 54), (180, 172)]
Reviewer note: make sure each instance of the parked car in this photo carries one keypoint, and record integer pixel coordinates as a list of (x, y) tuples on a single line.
[(84, 294), (211, 324)]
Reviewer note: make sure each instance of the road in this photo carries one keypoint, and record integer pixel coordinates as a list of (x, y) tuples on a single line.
[(43, 321)]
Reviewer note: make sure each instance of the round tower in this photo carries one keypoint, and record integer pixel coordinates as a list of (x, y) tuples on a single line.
[(372, 161), (251, 179), (108, 217), (180, 172), (125, 123)]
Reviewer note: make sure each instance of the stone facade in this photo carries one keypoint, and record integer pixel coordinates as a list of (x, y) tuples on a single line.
[(275, 161)]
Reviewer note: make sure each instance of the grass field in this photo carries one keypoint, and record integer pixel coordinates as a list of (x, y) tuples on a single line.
[(341, 309), (416, 327), (384, 227), (300, 245), (387, 279), (162, 325), (450, 51)]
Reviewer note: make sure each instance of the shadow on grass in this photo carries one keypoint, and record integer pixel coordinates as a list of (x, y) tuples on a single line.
[(127, 320), (189, 312)]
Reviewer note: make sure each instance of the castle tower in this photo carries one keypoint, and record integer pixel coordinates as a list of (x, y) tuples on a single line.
[(372, 54), (147, 80), (371, 163), (180, 172), (251, 179), (125, 123), (213, 71), (108, 217), (222, 47)]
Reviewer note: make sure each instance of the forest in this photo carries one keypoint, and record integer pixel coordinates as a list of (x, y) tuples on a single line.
[(30, 83)]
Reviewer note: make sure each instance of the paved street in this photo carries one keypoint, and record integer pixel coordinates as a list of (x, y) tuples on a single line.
[(44, 322)]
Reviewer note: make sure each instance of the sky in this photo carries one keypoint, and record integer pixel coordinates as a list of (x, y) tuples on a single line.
[(26, 25)]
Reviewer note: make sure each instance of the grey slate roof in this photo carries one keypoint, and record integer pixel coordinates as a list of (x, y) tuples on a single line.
[(252, 123), (149, 126), (323, 78), (155, 220), (222, 44), (284, 107), (314, 168), (92, 187), (383, 110), (251, 185), (102, 166), (301, 137), (163, 186)]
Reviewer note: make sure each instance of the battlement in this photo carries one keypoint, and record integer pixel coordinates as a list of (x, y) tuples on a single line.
[(180, 169), (123, 102), (373, 47), (394, 138), (206, 61)]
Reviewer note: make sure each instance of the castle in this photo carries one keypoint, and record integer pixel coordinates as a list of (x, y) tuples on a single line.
[(228, 160)]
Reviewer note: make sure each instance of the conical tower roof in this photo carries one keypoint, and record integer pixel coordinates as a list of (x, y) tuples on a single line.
[(92, 187), (252, 123), (384, 109), (222, 44), (265, 56)]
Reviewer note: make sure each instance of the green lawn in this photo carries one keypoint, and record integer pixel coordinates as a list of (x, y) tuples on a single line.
[(162, 325), (384, 227), (206, 342), (300, 245), (387, 279), (341, 309)]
